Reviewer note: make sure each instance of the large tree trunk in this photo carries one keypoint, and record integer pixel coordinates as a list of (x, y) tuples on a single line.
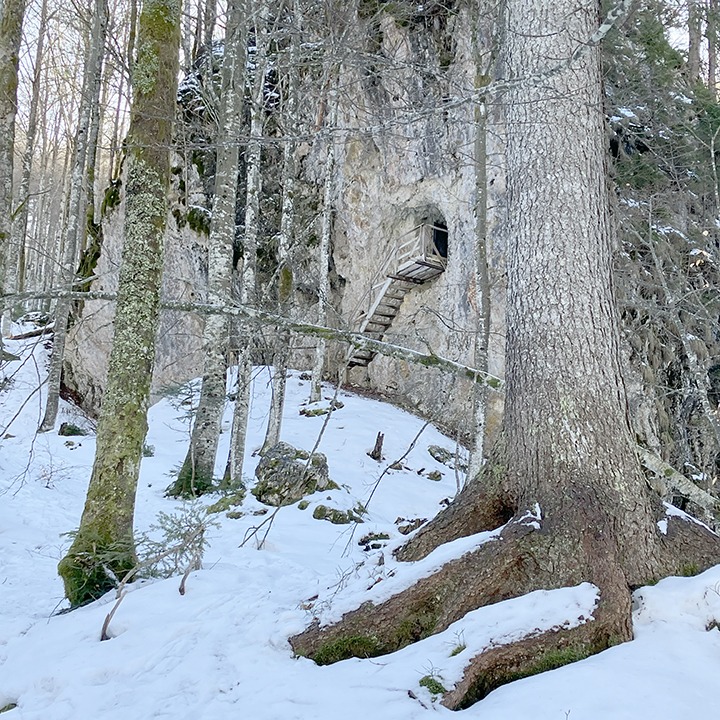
[(196, 474), (104, 543), (567, 477)]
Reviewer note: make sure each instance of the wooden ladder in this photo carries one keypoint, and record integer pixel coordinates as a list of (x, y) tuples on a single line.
[(408, 264)]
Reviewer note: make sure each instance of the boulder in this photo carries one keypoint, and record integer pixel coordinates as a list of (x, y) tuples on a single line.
[(285, 475)]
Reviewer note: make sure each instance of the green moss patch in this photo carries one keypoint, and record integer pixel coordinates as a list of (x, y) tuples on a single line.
[(70, 430), (346, 647), (433, 685), (339, 517), (227, 502)]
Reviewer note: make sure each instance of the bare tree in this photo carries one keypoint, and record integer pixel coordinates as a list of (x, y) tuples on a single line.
[(324, 247), (11, 19), (248, 281), (287, 228), (75, 214), (196, 474), (103, 546), (20, 221)]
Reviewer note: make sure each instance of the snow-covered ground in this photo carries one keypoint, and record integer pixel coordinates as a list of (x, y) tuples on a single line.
[(221, 650)]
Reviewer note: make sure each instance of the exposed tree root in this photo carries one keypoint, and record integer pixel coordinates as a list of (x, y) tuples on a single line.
[(502, 664), (483, 504), (522, 559)]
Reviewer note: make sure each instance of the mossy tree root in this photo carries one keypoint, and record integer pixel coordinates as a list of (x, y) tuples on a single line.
[(497, 570), (534, 654), (521, 560), (485, 503)]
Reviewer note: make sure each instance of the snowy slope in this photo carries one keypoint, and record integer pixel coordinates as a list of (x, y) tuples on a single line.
[(221, 650)]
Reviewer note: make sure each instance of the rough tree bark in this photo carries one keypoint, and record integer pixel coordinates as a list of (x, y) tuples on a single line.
[(569, 462), (74, 225), (103, 545), (11, 19), (196, 474)]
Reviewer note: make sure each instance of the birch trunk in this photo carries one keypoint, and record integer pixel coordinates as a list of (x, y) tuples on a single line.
[(248, 293), (196, 474), (104, 544), (75, 216), (324, 251), (11, 19), (20, 221), (287, 228), (482, 294)]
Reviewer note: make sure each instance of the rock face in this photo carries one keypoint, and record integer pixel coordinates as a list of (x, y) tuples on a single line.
[(410, 168), (405, 154), (387, 182), (178, 348), (285, 476)]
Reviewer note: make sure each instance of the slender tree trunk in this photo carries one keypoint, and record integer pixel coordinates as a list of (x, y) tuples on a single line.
[(20, 221), (93, 159), (482, 291), (11, 19), (694, 38), (209, 20), (132, 36), (248, 293), (186, 40), (324, 250), (197, 40), (197, 472), (113, 168), (711, 34), (75, 216), (104, 544), (287, 228)]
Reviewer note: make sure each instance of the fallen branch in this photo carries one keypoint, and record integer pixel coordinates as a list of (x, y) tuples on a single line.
[(356, 340), (670, 479), (674, 480), (45, 330)]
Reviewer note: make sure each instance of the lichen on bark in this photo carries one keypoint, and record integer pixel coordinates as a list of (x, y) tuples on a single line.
[(103, 548)]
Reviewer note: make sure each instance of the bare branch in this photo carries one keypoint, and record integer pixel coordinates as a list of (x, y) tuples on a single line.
[(356, 340)]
